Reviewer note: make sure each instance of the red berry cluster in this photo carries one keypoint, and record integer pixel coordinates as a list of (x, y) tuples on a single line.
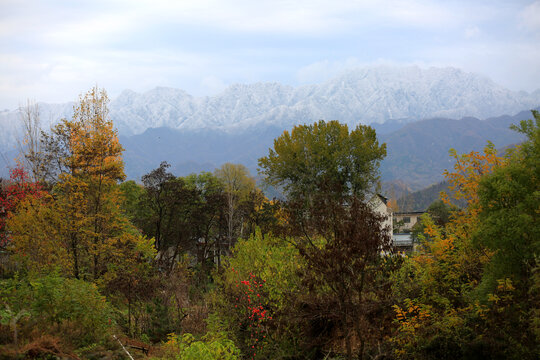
[(257, 315)]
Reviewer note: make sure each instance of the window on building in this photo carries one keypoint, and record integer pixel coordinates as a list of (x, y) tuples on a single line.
[(407, 220)]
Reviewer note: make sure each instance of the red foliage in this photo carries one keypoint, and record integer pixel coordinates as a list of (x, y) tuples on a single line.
[(257, 315), (18, 188)]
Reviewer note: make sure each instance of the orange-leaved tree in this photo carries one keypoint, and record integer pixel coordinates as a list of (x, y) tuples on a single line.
[(436, 283), (84, 160)]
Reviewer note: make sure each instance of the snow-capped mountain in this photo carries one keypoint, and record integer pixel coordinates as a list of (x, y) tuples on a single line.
[(367, 95)]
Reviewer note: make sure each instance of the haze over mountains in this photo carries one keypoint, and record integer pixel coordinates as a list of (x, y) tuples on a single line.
[(239, 124), (371, 95)]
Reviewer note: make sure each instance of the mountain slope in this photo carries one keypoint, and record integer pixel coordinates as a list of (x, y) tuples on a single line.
[(372, 95), (418, 152)]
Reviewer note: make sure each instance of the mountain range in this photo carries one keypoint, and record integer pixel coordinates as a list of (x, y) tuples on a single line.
[(370, 95), (417, 153), (238, 125)]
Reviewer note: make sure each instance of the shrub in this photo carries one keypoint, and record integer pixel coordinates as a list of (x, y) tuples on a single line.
[(212, 347), (70, 308)]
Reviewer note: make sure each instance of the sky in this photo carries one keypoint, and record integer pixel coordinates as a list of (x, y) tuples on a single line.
[(52, 51)]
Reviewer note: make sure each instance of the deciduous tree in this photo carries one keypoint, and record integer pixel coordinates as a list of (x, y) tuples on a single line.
[(30, 144), (312, 156), (326, 172), (83, 156), (237, 185)]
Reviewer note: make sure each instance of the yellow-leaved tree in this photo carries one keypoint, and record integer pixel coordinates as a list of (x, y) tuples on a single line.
[(83, 158), (435, 284)]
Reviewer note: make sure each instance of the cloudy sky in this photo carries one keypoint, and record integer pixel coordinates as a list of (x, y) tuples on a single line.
[(53, 50)]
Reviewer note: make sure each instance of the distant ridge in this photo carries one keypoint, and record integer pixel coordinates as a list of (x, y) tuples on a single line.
[(240, 124), (421, 199), (373, 95), (417, 152), (368, 95)]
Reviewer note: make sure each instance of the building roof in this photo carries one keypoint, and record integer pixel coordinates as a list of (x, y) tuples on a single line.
[(409, 213), (402, 240)]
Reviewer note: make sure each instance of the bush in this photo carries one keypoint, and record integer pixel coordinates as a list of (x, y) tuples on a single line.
[(252, 298), (212, 347), (72, 309)]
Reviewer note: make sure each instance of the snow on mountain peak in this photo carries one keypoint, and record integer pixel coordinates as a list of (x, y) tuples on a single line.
[(364, 95)]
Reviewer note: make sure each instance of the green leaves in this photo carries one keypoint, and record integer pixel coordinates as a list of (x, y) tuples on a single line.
[(269, 267), (509, 199), (302, 160), (71, 308), (211, 347)]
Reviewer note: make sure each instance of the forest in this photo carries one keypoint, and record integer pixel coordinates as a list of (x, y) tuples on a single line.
[(207, 267)]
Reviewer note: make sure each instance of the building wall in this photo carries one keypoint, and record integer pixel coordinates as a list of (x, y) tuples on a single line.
[(408, 220), (380, 207)]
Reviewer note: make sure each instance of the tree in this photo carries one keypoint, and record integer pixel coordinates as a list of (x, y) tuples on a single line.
[(96, 160), (260, 213), (30, 146), (509, 199), (17, 190), (237, 185), (209, 222), (349, 257), (310, 157), (182, 213), (262, 270), (131, 201), (440, 212), (434, 286), (326, 173), (154, 184), (84, 157), (130, 272), (473, 288)]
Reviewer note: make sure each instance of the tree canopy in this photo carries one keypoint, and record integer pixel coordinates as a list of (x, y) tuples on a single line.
[(310, 157)]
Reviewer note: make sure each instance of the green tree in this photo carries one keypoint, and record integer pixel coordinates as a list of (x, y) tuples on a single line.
[(326, 172), (156, 198), (509, 198), (510, 201), (304, 161), (131, 200), (209, 222), (275, 266)]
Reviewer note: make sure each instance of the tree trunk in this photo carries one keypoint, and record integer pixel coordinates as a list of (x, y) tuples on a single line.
[(361, 352), (129, 317), (75, 256), (348, 345)]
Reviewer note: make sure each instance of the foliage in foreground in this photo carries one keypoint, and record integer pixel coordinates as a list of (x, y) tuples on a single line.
[(252, 299), (210, 347), (472, 291), (70, 309)]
